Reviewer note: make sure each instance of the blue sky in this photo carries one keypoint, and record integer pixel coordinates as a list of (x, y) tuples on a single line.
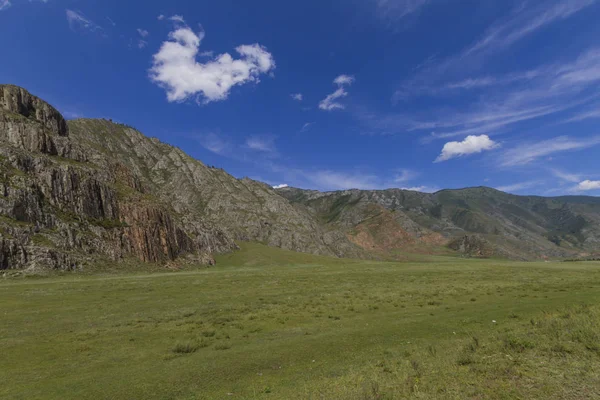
[(419, 94)]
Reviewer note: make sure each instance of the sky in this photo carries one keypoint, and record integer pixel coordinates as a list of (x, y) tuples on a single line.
[(330, 95)]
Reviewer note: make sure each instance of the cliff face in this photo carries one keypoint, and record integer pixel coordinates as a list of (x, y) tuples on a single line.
[(63, 205)]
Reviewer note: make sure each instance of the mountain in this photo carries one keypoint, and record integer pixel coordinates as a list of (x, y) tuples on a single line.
[(81, 192), (475, 221), (76, 194)]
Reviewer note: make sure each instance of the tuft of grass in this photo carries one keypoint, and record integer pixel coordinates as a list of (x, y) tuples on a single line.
[(185, 347)]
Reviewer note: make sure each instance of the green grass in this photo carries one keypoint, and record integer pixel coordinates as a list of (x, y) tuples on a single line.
[(271, 324)]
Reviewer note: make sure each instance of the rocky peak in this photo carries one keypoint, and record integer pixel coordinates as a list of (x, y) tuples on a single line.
[(19, 101)]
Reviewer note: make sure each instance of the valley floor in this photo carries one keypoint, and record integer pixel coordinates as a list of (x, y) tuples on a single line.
[(270, 324)]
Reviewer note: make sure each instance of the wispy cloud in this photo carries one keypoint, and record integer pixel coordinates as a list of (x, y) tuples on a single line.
[(585, 115), (331, 102), (515, 187), (282, 186), (5, 5), (566, 176), (216, 143), (471, 145), (143, 33), (176, 69), (262, 143), (528, 152), (394, 10), (548, 90), (297, 96), (527, 19), (404, 176), (307, 126), (79, 22)]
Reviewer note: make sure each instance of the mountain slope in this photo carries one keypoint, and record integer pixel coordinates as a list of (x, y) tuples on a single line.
[(494, 223), (81, 191), (245, 209)]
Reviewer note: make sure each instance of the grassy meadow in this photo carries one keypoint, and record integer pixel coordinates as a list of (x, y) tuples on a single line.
[(270, 324)]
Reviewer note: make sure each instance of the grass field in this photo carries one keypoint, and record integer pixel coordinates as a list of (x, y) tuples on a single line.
[(293, 326)]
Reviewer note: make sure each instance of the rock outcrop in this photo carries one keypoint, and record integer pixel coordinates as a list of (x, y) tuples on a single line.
[(64, 205)]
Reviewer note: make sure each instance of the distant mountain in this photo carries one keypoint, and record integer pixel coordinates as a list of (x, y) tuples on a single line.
[(475, 221), (79, 193)]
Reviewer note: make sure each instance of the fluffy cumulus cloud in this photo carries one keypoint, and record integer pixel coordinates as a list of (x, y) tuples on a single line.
[(471, 145), (331, 102), (588, 185), (176, 68)]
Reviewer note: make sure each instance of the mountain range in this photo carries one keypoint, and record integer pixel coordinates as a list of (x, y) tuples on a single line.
[(75, 194)]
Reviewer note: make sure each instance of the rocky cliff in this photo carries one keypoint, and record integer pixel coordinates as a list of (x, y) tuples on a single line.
[(64, 206)]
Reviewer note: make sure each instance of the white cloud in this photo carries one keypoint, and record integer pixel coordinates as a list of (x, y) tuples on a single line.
[(177, 19), (588, 185), (471, 145), (422, 189), (176, 69), (142, 44), (297, 96), (330, 102), (77, 21), (4, 4), (160, 17), (143, 33), (344, 80), (282, 186), (262, 143), (529, 152), (515, 187)]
